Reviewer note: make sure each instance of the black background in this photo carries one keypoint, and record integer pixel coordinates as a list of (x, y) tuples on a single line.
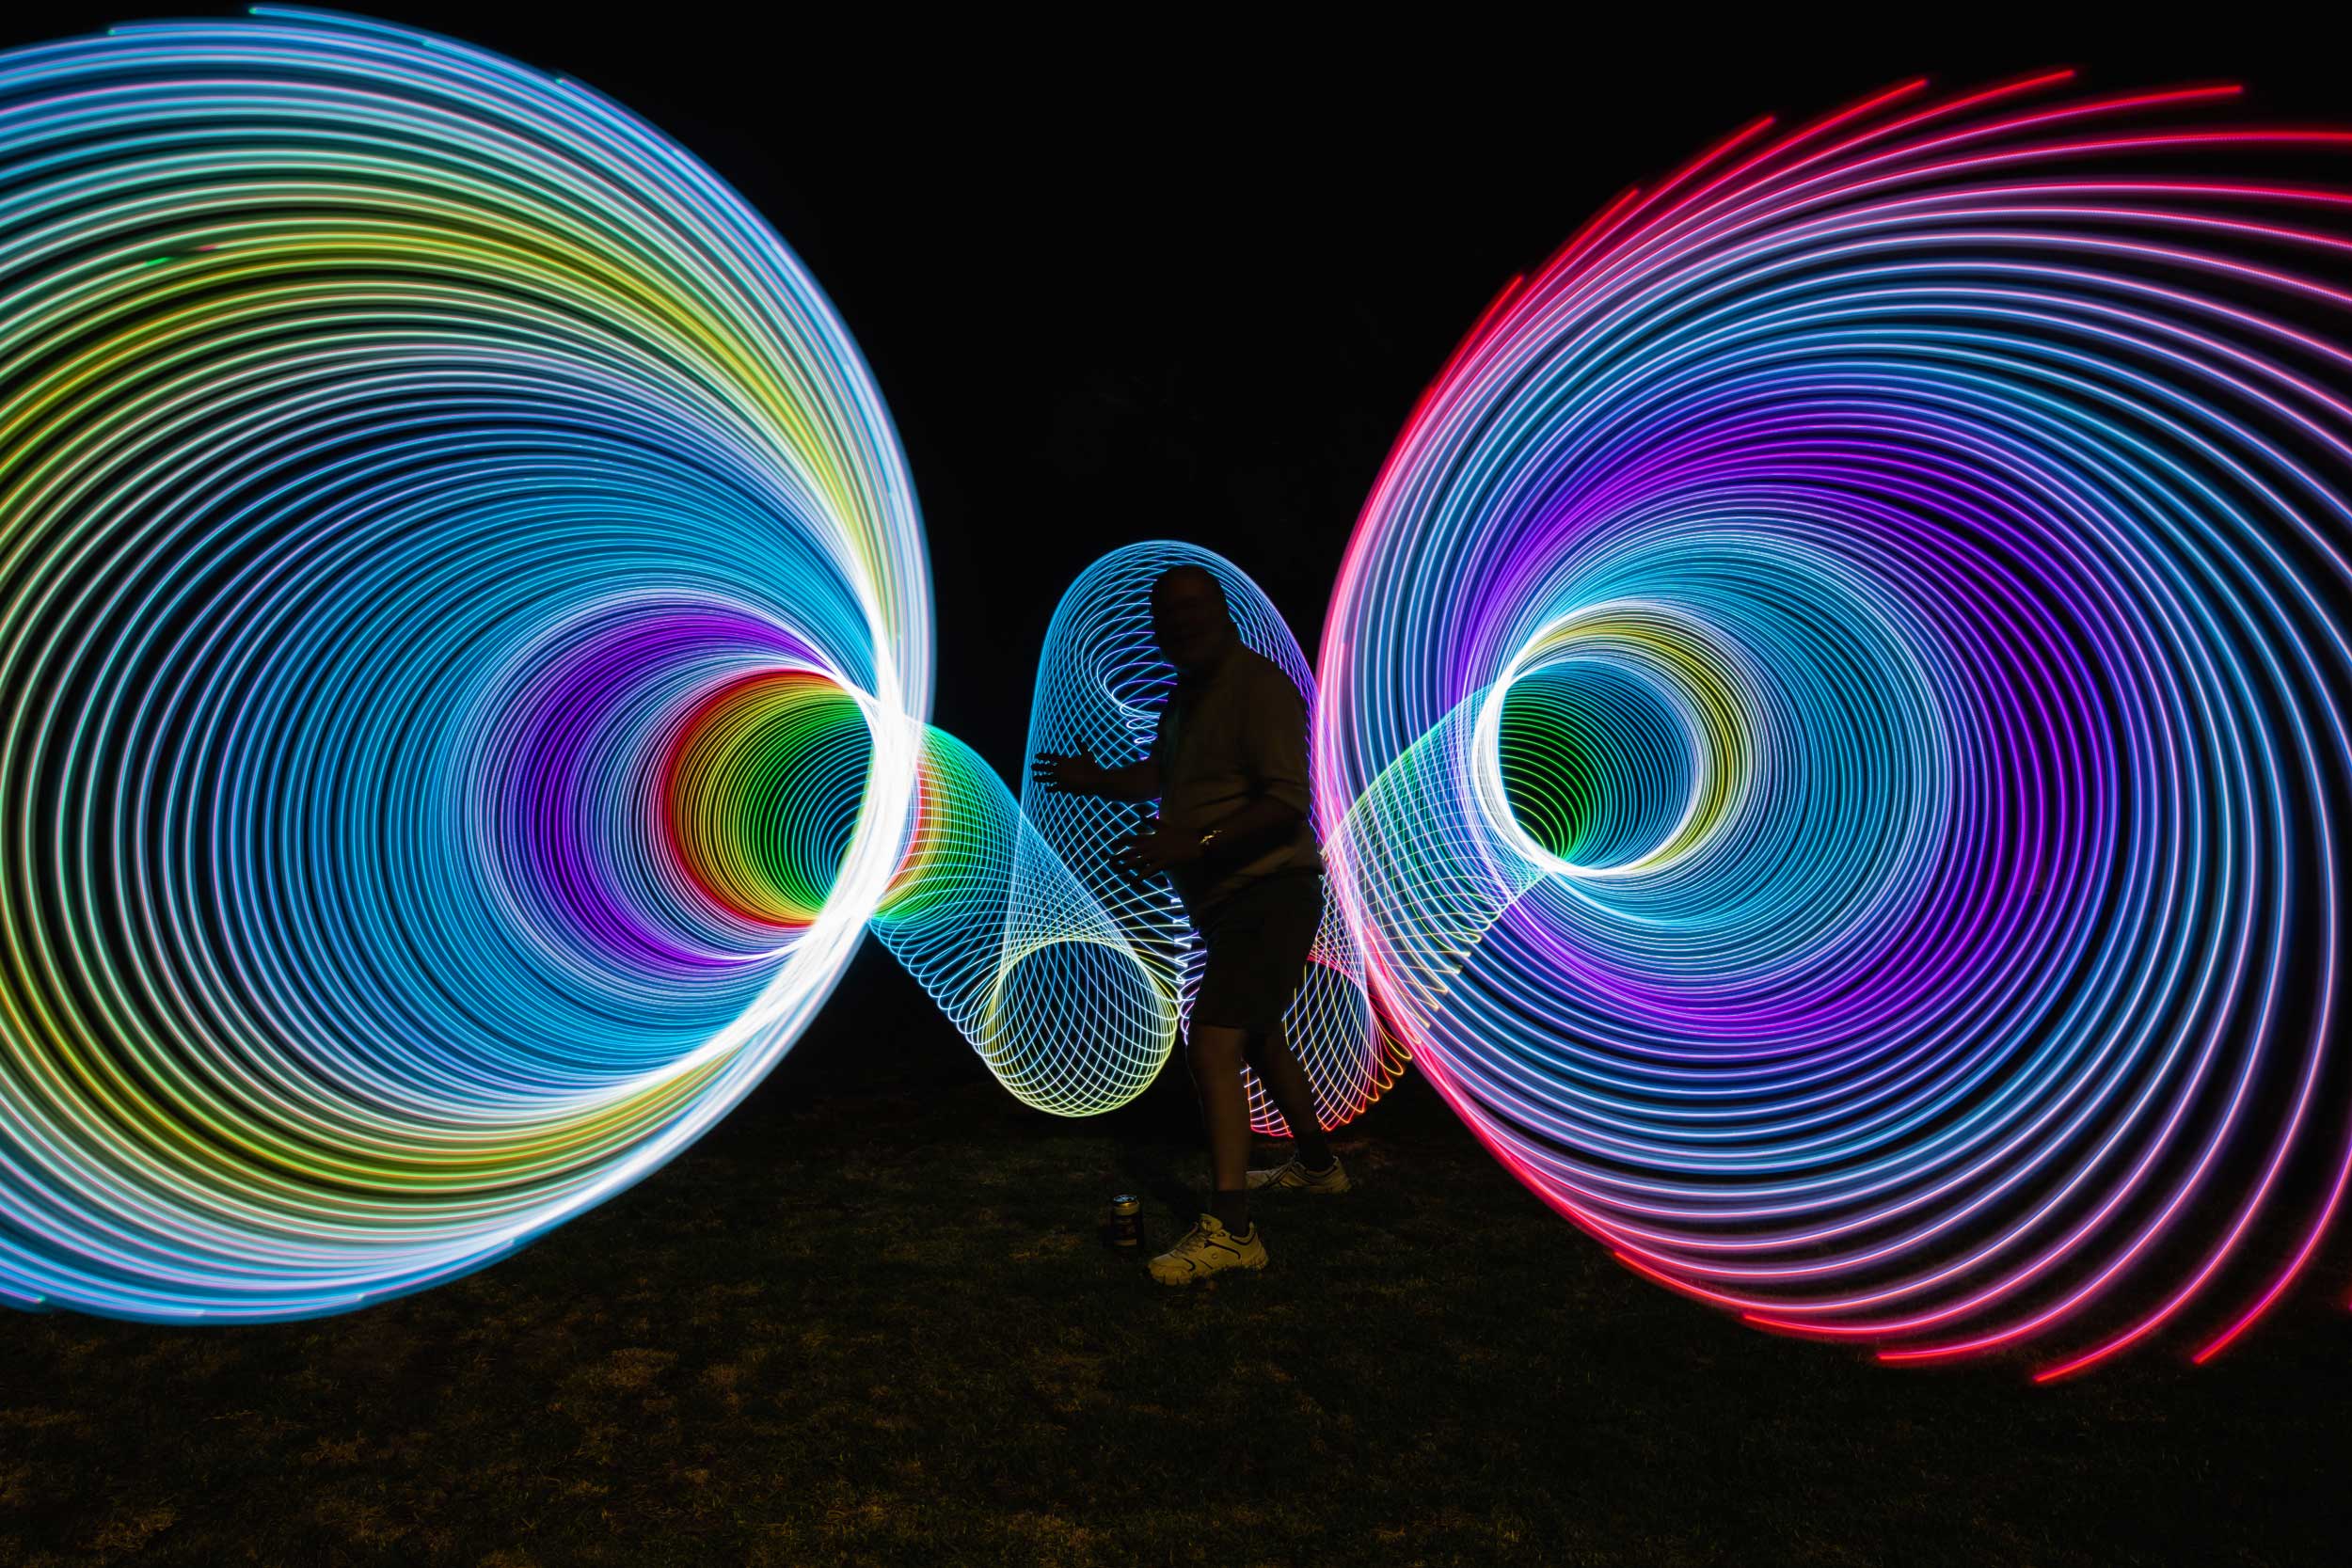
[(1185, 275)]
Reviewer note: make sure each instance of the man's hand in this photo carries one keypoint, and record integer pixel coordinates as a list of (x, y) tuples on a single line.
[(1068, 775), (1147, 853)]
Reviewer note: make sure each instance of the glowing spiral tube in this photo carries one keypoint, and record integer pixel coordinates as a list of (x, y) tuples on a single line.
[(1100, 685), (404, 456), (1837, 697)]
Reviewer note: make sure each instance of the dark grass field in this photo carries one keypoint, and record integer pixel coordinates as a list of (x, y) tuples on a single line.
[(870, 1320)]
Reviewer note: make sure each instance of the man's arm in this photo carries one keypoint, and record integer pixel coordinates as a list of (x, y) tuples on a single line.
[(1249, 830), (1080, 774), (1238, 838), (1137, 781)]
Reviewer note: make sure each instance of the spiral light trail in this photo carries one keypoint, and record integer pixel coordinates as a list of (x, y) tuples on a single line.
[(1833, 714), (404, 453), (466, 645), (1829, 731)]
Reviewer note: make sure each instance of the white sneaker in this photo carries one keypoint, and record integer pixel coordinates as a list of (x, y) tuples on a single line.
[(1208, 1248)]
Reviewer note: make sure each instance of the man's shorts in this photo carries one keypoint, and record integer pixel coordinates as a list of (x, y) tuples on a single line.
[(1257, 938)]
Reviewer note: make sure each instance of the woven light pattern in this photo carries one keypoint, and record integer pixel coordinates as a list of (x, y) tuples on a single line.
[(1101, 686)]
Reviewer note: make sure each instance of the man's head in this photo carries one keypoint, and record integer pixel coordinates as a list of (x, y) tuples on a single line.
[(1189, 618)]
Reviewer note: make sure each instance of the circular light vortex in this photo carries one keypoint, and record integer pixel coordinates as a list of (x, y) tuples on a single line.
[(406, 457), (1833, 723), (467, 652)]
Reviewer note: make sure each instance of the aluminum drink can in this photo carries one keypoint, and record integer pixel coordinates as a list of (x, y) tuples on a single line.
[(1126, 1227)]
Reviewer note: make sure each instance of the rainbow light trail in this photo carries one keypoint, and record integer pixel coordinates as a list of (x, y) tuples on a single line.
[(1833, 713), (466, 645), (399, 446), (1829, 731)]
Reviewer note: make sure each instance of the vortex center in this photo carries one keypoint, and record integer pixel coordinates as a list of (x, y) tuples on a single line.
[(1597, 765), (761, 792), (1616, 742)]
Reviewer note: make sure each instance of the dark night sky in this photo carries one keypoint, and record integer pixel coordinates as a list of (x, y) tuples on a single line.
[(1188, 280)]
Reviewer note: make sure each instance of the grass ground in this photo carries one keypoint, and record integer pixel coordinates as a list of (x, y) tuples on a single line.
[(874, 1324)]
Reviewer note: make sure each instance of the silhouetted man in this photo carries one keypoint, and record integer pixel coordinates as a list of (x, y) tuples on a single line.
[(1229, 768)]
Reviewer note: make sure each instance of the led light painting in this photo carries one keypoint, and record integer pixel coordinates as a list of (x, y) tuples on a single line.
[(1829, 731), (1846, 728)]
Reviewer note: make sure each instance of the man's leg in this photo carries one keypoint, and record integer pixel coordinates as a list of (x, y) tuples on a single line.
[(1293, 1093), (1215, 1056)]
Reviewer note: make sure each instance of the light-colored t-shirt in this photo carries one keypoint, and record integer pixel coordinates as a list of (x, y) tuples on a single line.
[(1226, 737)]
